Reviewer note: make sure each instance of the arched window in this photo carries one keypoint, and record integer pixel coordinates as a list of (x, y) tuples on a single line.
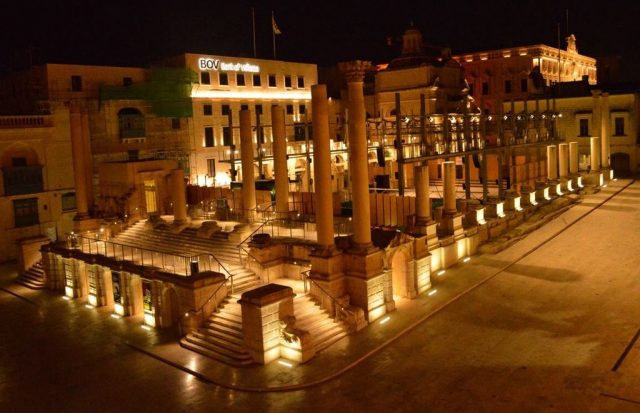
[(131, 123)]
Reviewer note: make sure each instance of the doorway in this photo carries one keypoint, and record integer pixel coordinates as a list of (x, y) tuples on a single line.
[(150, 196)]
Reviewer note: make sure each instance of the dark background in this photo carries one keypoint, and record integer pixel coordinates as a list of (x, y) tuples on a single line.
[(137, 32)]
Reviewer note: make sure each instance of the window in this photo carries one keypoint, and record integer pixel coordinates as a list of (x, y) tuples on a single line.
[(300, 132), (76, 83), (302, 109), (69, 201), (211, 167), (208, 137), (240, 79), (584, 127), (224, 78), (287, 82), (256, 80), (507, 86), (259, 109), (205, 78), (524, 85), (289, 109), (25, 212), (226, 110), (485, 88), (131, 123), (175, 123), (127, 81), (300, 82), (244, 107), (619, 126), (227, 137), (272, 80), (207, 110)]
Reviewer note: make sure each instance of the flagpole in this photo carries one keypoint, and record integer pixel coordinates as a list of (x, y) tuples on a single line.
[(273, 34), (253, 28)]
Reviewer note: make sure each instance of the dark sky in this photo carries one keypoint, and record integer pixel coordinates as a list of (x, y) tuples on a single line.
[(136, 32)]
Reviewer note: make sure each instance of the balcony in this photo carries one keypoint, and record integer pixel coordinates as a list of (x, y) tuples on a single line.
[(20, 180), (11, 122)]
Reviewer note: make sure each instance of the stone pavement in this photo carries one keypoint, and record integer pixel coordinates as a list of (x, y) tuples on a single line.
[(342, 356)]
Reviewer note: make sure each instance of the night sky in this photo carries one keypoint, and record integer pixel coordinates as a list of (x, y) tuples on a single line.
[(137, 32)]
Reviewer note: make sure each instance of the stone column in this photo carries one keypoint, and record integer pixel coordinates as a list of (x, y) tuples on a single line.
[(421, 179), (563, 160), (595, 154), (552, 162), (79, 169), (322, 167), (449, 179), (573, 158), (178, 190), (280, 160), (88, 159), (605, 119), (358, 162), (246, 155)]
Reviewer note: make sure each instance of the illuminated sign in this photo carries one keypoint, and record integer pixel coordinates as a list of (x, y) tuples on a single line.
[(207, 63)]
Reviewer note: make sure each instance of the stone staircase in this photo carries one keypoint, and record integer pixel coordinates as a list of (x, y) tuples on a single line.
[(322, 327), (33, 278), (221, 336)]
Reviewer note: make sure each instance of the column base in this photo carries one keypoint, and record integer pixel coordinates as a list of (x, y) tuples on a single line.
[(365, 277), (451, 224)]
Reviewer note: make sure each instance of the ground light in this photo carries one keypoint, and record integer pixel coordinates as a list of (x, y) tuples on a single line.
[(384, 320), (466, 259), (285, 363), (116, 316), (432, 292), (89, 306), (441, 272), (64, 297), (146, 327)]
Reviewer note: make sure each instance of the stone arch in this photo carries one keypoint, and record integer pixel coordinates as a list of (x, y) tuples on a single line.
[(170, 308), (25, 153), (398, 262)]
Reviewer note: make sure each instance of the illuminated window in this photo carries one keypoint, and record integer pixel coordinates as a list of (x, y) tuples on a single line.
[(524, 85), (272, 80), (76, 83), (205, 78), (226, 110), (619, 126), (256, 80), (287, 82), (289, 109), (300, 82), (207, 110), (240, 79), (208, 137), (26, 212), (485, 88), (224, 78), (584, 127), (507, 86)]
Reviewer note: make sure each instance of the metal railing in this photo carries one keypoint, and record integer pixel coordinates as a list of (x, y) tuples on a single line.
[(339, 310)]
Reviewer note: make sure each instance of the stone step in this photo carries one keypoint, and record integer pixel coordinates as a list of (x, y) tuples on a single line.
[(224, 346), (215, 355), (230, 330), (327, 342), (216, 335), (34, 285)]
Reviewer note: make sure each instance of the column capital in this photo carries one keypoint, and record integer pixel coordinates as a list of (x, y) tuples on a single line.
[(354, 70)]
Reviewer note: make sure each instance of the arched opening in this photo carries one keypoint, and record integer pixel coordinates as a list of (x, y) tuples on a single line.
[(621, 164), (399, 274), (171, 310), (131, 123)]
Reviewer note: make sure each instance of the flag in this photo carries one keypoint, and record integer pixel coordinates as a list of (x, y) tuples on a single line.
[(274, 25)]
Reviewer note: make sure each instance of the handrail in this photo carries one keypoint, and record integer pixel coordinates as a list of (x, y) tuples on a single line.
[(215, 292), (253, 233), (337, 305)]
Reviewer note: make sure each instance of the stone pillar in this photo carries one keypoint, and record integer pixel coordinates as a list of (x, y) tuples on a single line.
[(595, 154), (246, 155), (563, 160), (79, 170), (322, 167), (552, 162), (179, 195), (421, 180), (605, 119), (358, 159), (449, 179), (573, 158), (280, 160), (88, 159)]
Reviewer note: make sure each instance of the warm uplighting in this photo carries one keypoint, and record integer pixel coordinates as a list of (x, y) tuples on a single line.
[(559, 189), (441, 272), (116, 316), (93, 300), (500, 210), (222, 179), (516, 204), (118, 308), (580, 184), (64, 297), (466, 259), (547, 196), (384, 320), (285, 363), (480, 216), (89, 306), (432, 292), (146, 327), (532, 199), (570, 185), (68, 291), (149, 319), (252, 94)]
